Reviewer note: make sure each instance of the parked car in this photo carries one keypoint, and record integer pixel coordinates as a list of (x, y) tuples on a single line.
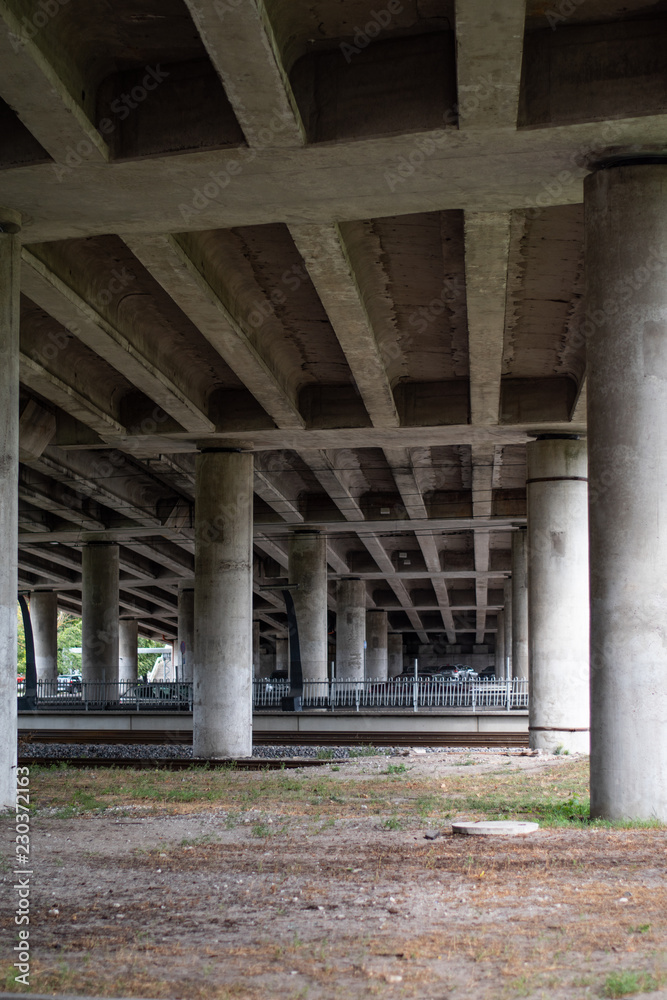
[(69, 683)]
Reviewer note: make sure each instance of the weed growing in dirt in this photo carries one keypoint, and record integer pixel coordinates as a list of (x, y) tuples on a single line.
[(261, 830), (396, 769), (623, 984), (366, 750), (392, 824), (324, 753)]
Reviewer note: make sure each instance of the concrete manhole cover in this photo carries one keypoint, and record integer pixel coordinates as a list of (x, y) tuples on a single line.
[(495, 828)]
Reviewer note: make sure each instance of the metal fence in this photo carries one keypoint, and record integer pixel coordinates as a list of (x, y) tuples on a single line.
[(398, 692), (73, 694)]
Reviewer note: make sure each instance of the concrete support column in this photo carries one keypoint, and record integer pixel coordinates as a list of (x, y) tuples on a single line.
[(44, 620), (557, 494), (128, 658), (282, 655), (508, 612), (99, 612), (186, 633), (395, 653), (500, 644), (222, 691), (626, 303), (519, 604), (255, 651), (377, 663), (10, 265), (350, 629), (307, 557)]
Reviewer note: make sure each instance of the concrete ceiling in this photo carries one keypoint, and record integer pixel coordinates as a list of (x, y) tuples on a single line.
[(346, 237)]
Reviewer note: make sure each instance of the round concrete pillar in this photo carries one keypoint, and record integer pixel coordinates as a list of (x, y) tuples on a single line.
[(282, 655), (507, 620), (185, 652), (10, 266), (350, 629), (626, 323), (44, 621), (377, 663), (128, 657), (557, 498), (519, 604), (395, 653), (222, 672), (307, 557), (500, 644), (99, 612)]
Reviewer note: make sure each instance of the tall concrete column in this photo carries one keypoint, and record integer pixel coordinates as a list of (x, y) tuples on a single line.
[(395, 653), (307, 557), (557, 494), (500, 644), (99, 612), (626, 310), (519, 604), (222, 692), (508, 613), (350, 629), (186, 633), (377, 663), (282, 654), (10, 264), (44, 621), (255, 650), (128, 657)]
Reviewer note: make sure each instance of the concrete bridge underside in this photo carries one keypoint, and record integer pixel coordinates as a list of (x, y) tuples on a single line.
[(351, 243)]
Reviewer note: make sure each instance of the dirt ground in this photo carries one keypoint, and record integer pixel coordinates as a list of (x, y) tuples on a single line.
[(254, 893)]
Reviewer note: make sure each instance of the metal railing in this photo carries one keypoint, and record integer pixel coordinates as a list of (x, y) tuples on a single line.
[(90, 696), (397, 692)]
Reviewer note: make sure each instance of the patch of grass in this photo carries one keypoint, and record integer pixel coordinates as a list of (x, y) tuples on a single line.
[(396, 769), (324, 753), (261, 830), (623, 984), (640, 929), (392, 824)]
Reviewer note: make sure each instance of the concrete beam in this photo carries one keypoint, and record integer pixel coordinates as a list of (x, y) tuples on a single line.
[(327, 258), (242, 47), (489, 49), (204, 305), (53, 295), (34, 86), (487, 242)]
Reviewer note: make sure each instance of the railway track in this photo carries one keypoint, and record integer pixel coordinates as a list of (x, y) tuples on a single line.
[(264, 737)]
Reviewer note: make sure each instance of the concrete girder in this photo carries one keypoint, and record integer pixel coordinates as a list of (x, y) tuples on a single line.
[(242, 47), (203, 304), (39, 379), (65, 305), (56, 498), (487, 244), (489, 50), (336, 280), (53, 116)]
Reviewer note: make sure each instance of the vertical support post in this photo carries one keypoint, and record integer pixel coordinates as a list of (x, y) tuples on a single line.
[(10, 266), (557, 493), (626, 293), (99, 613), (128, 656), (222, 696), (350, 629), (307, 557), (377, 662), (44, 618), (186, 632)]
